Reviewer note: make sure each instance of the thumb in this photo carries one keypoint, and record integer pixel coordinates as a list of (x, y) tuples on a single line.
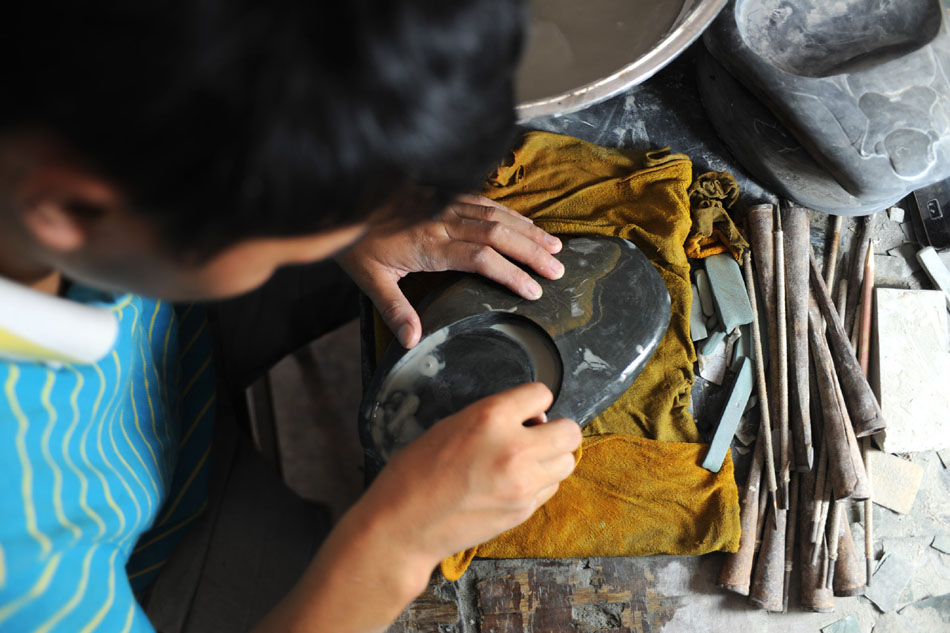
[(396, 311)]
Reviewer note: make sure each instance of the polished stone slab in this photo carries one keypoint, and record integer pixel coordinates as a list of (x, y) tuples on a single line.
[(587, 338)]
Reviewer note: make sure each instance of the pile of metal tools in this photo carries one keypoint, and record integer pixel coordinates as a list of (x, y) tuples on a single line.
[(817, 413)]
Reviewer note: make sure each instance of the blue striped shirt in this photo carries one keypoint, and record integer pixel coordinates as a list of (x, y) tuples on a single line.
[(102, 467)]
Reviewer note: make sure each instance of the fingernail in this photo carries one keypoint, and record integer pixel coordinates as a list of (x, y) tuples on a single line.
[(553, 241), (558, 269), (404, 333), (534, 289)]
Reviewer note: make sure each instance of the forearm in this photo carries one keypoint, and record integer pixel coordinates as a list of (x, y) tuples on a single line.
[(360, 581)]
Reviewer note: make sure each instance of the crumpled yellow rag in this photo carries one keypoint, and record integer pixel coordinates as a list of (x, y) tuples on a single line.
[(639, 488), (711, 197)]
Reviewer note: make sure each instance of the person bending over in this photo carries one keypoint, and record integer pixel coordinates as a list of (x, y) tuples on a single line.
[(153, 152)]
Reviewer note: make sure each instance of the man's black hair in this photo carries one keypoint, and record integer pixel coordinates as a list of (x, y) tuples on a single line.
[(228, 119)]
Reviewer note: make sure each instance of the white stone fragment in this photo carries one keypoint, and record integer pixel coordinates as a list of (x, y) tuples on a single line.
[(705, 293), (912, 369), (896, 214), (896, 481), (936, 270), (697, 326)]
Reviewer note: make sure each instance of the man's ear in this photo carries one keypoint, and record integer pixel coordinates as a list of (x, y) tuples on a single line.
[(60, 206), (54, 227)]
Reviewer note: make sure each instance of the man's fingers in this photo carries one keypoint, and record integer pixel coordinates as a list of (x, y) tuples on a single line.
[(487, 262), (518, 404), (555, 439), (544, 494), (482, 201), (506, 217), (509, 241), (396, 311)]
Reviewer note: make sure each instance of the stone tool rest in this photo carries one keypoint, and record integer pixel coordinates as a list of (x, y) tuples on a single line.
[(587, 338), (863, 88)]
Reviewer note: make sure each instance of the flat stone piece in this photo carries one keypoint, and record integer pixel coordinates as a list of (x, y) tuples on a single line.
[(913, 369), (713, 343), (728, 287), (742, 348), (941, 542), (932, 614), (895, 214), (697, 326), (846, 625), (944, 456), (896, 481), (895, 271), (588, 338), (713, 360), (729, 420), (890, 579), (890, 623), (935, 269), (705, 293)]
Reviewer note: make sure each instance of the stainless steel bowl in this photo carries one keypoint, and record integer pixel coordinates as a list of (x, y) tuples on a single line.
[(581, 52)]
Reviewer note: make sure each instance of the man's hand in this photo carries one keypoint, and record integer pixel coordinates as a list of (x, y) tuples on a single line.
[(479, 472), (470, 477), (473, 234)]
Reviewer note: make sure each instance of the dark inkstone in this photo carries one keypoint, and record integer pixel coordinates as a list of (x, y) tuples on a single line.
[(854, 96), (587, 338)]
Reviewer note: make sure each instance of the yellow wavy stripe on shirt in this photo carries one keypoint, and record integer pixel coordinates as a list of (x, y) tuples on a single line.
[(162, 446), (113, 470), (123, 303), (188, 519), (148, 445), (106, 491), (128, 618), (38, 588), (193, 339), (26, 485), (194, 424), (151, 323), (82, 445), (101, 613), (53, 466), (184, 488), (168, 334), (83, 482), (115, 449), (138, 456), (135, 413), (70, 604), (191, 383)]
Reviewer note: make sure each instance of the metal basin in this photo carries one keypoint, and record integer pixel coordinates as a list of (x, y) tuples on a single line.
[(581, 52)]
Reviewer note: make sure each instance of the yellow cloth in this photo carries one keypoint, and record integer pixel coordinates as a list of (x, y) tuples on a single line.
[(639, 488), (714, 232)]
